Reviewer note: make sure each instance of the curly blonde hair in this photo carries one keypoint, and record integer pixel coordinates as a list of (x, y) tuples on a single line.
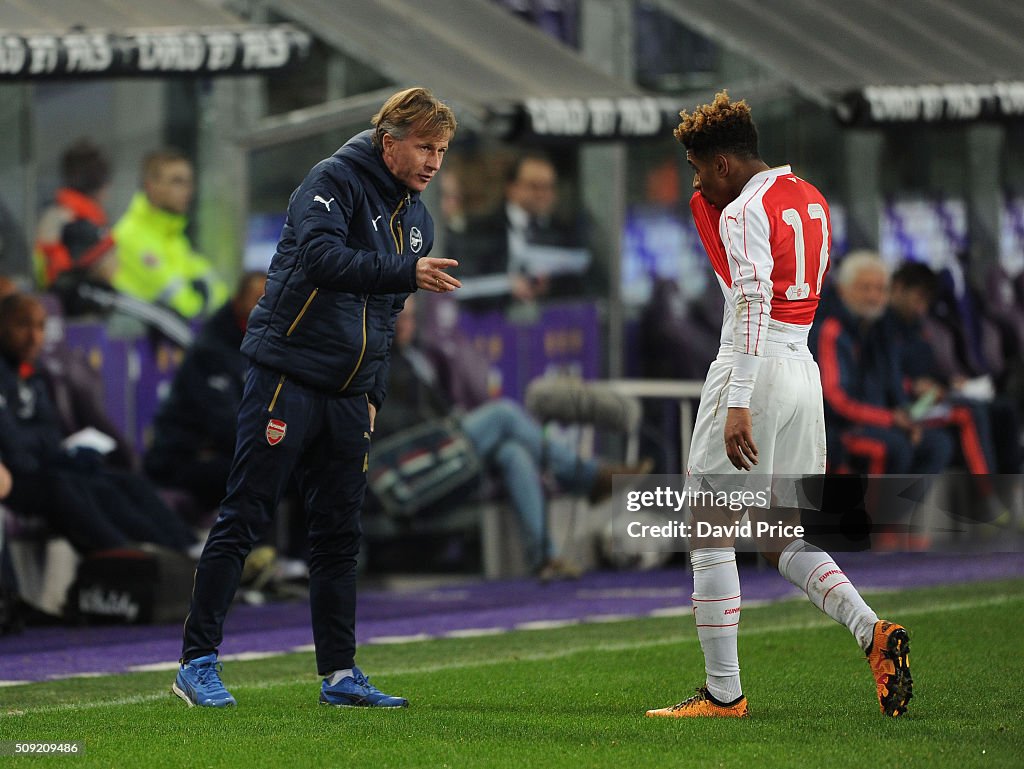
[(721, 126)]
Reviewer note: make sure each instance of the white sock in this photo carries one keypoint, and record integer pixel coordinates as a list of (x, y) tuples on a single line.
[(813, 571), (337, 675), (716, 610)]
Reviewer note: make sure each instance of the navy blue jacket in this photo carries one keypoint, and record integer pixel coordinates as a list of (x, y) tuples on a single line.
[(344, 265), (861, 375), (30, 433)]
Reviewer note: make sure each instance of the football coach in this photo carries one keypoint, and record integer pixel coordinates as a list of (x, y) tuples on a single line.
[(355, 243)]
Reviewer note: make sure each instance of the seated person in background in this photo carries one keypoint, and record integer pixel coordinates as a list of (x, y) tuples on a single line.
[(76, 389), (94, 506), (914, 288), (987, 428), (155, 260), (504, 436), (73, 241), (195, 426), (502, 243), (866, 407)]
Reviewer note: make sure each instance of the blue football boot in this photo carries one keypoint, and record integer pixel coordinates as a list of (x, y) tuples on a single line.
[(198, 683), (356, 691)]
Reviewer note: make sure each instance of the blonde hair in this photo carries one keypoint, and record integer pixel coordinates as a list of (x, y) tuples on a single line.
[(721, 126), (414, 109)]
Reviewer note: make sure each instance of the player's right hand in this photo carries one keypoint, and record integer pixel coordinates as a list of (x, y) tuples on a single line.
[(739, 439)]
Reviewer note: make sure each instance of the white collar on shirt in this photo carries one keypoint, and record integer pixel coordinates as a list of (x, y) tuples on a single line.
[(768, 173)]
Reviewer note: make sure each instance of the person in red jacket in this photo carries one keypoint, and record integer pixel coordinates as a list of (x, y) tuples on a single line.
[(867, 409), (73, 241)]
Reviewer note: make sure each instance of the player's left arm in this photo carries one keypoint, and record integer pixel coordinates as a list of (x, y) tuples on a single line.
[(745, 234)]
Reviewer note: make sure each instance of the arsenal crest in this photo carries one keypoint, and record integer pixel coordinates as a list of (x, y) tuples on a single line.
[(275, 431)]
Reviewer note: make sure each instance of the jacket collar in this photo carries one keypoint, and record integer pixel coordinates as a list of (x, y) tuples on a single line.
[(361, 151), (155, 218), (82, 205)]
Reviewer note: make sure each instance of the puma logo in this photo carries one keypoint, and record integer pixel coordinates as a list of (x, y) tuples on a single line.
[(327, 203), (374, 223)]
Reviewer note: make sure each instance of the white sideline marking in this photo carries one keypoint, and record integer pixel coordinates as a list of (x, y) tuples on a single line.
[(599, 619), (154, 667), (671, 611), (819, 622), (399, 639), (547, 624), (85, 674), (246, 656), (475, 632)]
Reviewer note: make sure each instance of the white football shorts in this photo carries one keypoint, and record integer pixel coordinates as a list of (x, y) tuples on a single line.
[(788, 418)]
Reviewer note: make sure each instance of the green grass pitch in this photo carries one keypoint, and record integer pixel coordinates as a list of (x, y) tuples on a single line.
[(575, 697)]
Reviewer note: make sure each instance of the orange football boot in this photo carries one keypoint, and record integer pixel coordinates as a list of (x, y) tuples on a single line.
[(889, 658), (701, 705)]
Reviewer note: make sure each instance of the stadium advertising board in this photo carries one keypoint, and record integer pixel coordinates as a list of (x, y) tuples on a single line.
[(951, 103), (612, 119), (158, 52)]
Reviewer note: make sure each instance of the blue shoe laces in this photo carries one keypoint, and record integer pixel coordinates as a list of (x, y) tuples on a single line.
[(209, 673), (361, 680)]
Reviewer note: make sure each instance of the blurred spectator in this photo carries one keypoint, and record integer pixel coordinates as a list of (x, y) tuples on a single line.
[(66, 480), (74, 386), (1004, 306), (73, 241), (964, 311), (75, 254), (679, 340), (866, 408), (505, 437), (525, 244), (463, 368), (195, 427), (155, 260), (453, 215), (988, 429)]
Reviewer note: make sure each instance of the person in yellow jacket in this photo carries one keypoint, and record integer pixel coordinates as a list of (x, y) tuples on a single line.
[(155, 260)]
